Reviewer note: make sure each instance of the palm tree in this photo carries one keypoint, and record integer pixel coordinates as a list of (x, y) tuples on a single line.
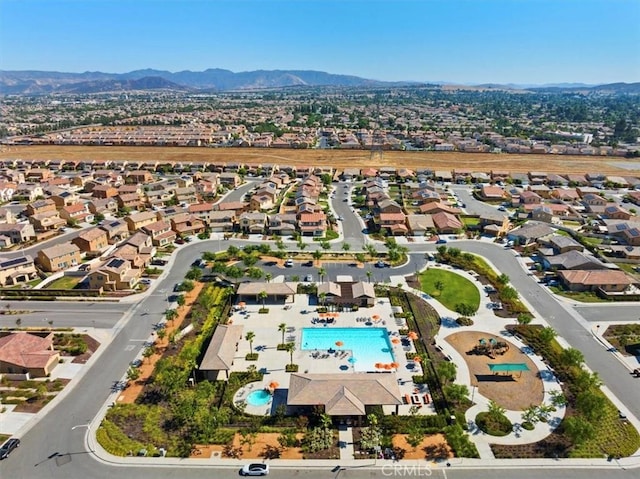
[(322, 272), (282, 327), (171, 314), (371, 250), (572, 357), (268, 277), (250, 336), (547, 334), (263, 296), (317, 254), (290, 348), (322, 297), (369, 274)]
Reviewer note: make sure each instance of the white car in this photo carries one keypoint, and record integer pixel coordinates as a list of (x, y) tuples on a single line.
[(288, 263), (255, 469)]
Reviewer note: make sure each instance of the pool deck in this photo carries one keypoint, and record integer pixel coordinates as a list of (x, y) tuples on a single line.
[(302, 314)]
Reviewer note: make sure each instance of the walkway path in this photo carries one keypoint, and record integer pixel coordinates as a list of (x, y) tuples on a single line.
[(345, 438)]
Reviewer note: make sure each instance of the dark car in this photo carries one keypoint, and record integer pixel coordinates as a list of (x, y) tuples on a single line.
[(381, 264), (441, 241), (9, 446)]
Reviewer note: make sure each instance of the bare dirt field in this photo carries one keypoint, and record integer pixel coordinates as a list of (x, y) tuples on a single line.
[(515, 393), (432, 447), (337, 158)]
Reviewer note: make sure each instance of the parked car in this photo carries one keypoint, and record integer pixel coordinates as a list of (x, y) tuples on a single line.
[(308, 278), (9, 446), (255, 469), (288, 263), (381, 264), (441, 241)]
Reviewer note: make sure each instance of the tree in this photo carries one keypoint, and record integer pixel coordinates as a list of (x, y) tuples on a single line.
[(495, 409), (447, 371), (360, 257), (592, 404), (194, 274), (235, 273), (456, 393), (325, 245), (262, 295), (254, 273), (171, 314), (371, 250), (148, 352), (133, 374), (181, 300), (572, 357), (322, 273), (249, 260), (233, 251), (524, 318), (250, 336), (162, 333), (503, 279), (290, 348), (268, 277), (547, 334), (346, 247), (415, 436), (578, 429), (585, 381), (282, 327), (439, 285), (530, 414), (317, 255), (369, 273), (322, 297), (18, 322)]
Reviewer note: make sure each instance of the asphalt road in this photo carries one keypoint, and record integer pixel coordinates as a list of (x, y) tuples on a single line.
[(63, 314), (597, 312)]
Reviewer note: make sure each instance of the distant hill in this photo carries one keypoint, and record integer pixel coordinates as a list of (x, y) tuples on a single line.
[(611, 88), (39, 82)]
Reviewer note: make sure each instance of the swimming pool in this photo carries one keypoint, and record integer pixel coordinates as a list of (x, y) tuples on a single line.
[(368, 345), (258, 398)]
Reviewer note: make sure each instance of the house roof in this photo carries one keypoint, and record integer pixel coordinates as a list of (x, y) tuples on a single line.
[(222, 348), (60, 250), (596, 277), (270, 288), (26, 350), (344, 394)]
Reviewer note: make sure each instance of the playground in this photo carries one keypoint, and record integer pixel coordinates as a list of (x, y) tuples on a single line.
[(514, 383)]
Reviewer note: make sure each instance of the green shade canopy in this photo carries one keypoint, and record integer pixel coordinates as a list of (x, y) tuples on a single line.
[(508, 367)]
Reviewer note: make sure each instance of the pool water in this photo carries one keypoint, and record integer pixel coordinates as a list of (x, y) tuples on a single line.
[(367, 345), (258, 398)]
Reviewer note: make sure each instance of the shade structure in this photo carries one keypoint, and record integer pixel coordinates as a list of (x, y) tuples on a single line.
[(412, 335), (508, 368), (395, 341), (339, 343)]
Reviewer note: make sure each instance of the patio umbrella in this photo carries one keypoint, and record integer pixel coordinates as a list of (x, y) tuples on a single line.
[(395, 341), (417, 359), (339, 343), (274, 385), (395, 365), (375, 316), (412, 335), (379, 366), (388, 366), (242, 304)]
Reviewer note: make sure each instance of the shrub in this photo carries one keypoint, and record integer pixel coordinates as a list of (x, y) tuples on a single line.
[(251, 357), (464, 321), (494, 424), (291, 368), (527, 426)]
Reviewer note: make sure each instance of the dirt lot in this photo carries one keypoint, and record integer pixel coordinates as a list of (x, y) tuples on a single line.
[(432, 447), (255, 451), (517, 392), (337, 158)]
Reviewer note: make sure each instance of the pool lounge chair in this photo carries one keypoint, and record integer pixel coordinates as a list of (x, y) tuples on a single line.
[(415, 399), (407, 399), (426, 399)]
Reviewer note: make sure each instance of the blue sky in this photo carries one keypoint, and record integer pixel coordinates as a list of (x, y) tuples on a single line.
[(463, 41)]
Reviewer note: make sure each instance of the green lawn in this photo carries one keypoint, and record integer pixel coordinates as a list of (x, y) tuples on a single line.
[(455, 288), (66, 282), (582, 296)]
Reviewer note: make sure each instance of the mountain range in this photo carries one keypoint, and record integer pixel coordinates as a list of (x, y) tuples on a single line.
[(216, 79)]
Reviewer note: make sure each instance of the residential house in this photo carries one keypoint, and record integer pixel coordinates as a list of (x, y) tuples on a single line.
[(114, 275), (530, 232), (253, 222), (545, 214), (388, 206), (117, 230), (420, 225), (78, 212), (104, 191), (92, 240), (283, 224), (129, 201), (160, 232), (186, 195), (139, 177), (187, 225), (17, 270), (615, 212), (7, 216), (138, 220), (7, 189), (47, 221), (238, 207), (348, 293), (17, 232), (59, 257), (392, 223), (572, 259), (492, 193), (312, 224), (528, 197), (229, 180), (606, 280), (108, 206), (221, 351), (40, 206), (27, 353), (221, 221), (28, 191), (563, 244), (446, 222)]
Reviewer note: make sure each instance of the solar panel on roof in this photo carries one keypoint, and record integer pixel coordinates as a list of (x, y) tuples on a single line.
[(115, 263), (12, 262)]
